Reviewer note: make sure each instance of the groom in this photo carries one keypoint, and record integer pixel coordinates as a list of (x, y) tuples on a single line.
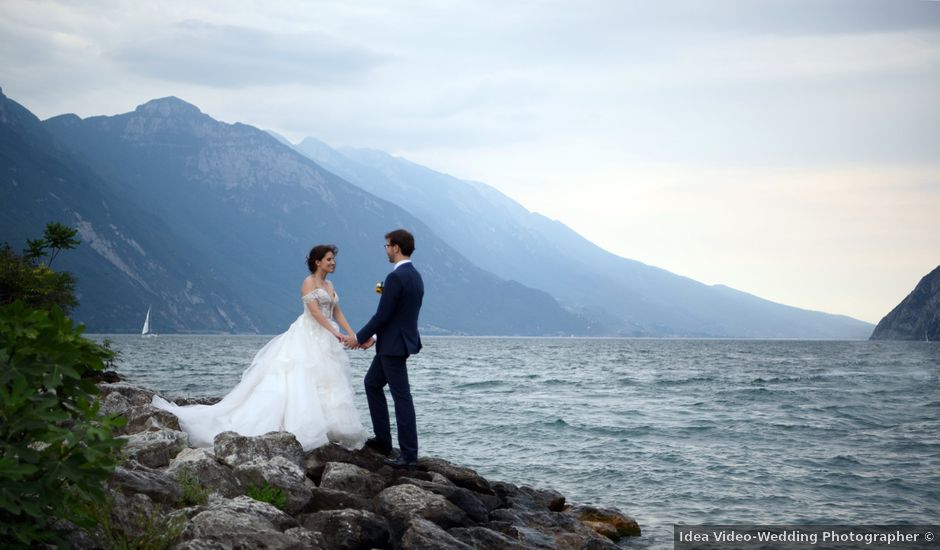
[(394, 331)]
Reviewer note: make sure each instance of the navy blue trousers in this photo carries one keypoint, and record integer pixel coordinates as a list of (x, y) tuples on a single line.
[(391, 370)]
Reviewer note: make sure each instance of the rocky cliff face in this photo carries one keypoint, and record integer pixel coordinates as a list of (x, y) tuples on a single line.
[(329, 498), (917, 317)]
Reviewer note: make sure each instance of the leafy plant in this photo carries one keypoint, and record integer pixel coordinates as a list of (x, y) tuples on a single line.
[(268, 493), (55, 450), (25, 277), (144, 531), (193, 491), (37, 285)]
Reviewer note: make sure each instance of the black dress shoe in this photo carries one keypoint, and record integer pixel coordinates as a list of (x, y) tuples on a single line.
[(401, 463), (378, 446)]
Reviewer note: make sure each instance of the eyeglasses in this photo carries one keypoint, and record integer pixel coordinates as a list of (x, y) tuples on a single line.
[(388, 245)]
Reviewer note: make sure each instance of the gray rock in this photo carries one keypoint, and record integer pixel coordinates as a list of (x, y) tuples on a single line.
[(401, 503), (279, 472), (440, 478), (350, 478), (327, 499), (310, 539), (527, 536), (317, 459), (130, 515), (425, 535), (132, 477), (527, 498), (481, 537), (348, 529), (532, 527), (234, 449), (462, 477), (114, 403), (201, 544), (465, 499), (155, 449), (184, 401), (242, 523), (204, 467), (134, 395), (147, 418)]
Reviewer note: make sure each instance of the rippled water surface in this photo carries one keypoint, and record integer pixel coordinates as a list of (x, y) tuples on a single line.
[(669, 431)]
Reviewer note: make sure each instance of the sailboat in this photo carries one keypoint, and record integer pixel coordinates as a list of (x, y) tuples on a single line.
[(146, 332)]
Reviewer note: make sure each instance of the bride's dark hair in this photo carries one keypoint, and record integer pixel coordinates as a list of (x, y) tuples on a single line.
[(317, 253)]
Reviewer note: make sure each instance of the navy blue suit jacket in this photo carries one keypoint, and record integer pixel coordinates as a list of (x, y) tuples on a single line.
[(396, 320)]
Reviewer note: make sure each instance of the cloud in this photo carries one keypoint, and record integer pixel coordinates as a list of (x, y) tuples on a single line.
[(229, 56)]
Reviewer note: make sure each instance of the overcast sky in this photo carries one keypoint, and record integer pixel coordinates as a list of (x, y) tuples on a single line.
[(790, 149)]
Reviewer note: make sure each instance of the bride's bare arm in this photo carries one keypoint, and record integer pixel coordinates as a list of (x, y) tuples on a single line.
[(341, 319)]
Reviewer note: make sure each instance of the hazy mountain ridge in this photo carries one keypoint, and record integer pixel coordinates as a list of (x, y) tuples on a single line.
[(123, 264), (230, 201), (917, 317), (630, 297)]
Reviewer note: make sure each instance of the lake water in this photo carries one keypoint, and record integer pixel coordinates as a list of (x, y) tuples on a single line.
[(668, 431)]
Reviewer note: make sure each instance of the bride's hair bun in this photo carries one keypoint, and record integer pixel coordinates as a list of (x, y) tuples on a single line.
[(317, 253)]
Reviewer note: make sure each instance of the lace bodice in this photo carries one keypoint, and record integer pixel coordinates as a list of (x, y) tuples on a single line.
[(325, 302)]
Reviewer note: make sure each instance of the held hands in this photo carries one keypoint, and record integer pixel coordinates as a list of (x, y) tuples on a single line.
[(350, 341)]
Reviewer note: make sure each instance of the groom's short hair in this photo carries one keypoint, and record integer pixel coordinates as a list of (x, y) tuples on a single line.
[(404, 240)]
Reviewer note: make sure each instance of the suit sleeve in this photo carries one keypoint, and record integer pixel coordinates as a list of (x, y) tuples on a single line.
[(391, 293)]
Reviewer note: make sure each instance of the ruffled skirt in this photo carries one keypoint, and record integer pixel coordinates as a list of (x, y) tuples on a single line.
[(299, 382)]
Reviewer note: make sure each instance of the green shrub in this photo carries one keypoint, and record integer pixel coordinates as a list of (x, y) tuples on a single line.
[(268, 493), (55, 450), (158, 530), (35, 284), (193, 491), (29, 276)]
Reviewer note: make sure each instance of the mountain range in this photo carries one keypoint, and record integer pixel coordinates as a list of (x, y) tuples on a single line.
[(210, 224)]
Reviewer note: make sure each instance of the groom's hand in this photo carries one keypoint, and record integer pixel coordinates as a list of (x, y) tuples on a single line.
[(368, 343), (351, 341)]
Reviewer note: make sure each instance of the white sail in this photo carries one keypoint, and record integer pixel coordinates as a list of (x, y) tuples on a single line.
[(146, 330)]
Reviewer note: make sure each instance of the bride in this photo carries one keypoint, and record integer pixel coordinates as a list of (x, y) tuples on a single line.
[(298, 382)]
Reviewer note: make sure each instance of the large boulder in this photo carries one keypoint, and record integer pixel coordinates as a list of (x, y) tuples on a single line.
[(242, 523), (610, 523), (425, 535), (203, 466), (529, 498), (278, 472), (401, 503), (234, 449), (534, 527), (133, 395), (155, 449), (465, 499), (462, 477), (348, 529), (147, 418), (482, 537), (317, 459), (322, 499), (134, 478), (340, 476)]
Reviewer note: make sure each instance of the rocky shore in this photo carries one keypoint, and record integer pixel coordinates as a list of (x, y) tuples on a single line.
[(266, 492)]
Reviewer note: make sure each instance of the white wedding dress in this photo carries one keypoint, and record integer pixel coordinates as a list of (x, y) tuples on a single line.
[(298, 382)]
